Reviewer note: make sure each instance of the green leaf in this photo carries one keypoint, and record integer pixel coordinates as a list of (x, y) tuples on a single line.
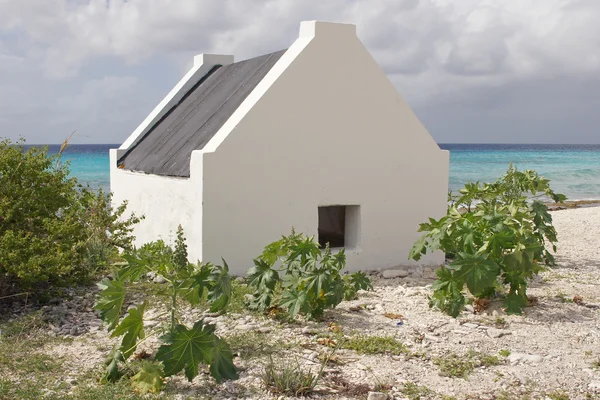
[(221, 366), (295, 301), (110, 301), (220, 288), (262, 275), (418, 249), (112, 373), (273, 251), (451, 303), (360, 281), (447, 293), (132, 326), (302, 249), (515, 302), (497, 243), (134, 269), (193, 287), (263, 279), (446, 281), (149, 379), (476, 271), (291, 279), (319, 282), (185, 349), (261, 300)]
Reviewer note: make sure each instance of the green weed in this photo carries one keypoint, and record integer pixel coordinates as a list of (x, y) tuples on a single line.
[(365, 344), (504, 352), (558, 395), (251, 344), (415, 392), (454, 366), (288, 377)]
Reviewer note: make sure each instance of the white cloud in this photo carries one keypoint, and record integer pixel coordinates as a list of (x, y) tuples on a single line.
[(435, 51), (470, 37)]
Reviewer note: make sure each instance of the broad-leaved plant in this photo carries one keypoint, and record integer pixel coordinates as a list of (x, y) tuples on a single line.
[(183, 348), (496, 235), (294, 273)]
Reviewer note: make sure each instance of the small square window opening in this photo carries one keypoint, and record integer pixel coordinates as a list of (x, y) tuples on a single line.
[(339, 225)]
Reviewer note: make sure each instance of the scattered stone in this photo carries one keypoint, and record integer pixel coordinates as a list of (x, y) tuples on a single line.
[(461, 332), (595, 386), (307, 330), (432, 338), (246, 327), (394, 273), (377, 396), (470, 325), (379, 309), (469, 308), (159, 279), (497, 333), (515, 358)]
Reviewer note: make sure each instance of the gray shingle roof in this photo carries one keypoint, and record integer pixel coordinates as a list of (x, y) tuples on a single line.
[(165, 148)]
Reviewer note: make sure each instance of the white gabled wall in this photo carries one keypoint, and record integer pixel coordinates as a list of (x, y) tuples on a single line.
[(165, 202), (324, 127)]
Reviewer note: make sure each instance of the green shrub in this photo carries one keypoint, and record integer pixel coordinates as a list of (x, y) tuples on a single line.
[(311, 280), (52, 229), (496, 235), (183, 348)]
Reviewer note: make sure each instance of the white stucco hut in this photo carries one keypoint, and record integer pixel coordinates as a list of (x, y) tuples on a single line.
[(314, 137)]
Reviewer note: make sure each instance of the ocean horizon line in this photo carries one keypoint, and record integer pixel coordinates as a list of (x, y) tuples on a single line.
[(117, 145)]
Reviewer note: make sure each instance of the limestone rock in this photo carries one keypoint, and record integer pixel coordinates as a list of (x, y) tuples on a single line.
[(394, 273), (377, 396)]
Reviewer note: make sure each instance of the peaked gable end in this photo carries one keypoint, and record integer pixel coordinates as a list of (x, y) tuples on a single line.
[(165, 148)]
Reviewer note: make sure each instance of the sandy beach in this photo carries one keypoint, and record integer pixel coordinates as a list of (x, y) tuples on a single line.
[(551, 352)]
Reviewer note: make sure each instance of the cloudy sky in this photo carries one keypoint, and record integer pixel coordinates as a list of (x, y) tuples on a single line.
[(487, 71)]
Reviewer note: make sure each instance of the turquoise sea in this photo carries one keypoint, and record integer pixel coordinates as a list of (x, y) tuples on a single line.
[(573, 169)]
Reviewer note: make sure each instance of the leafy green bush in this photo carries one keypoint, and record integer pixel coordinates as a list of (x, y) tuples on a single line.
[(496, 235), (311, 280), (52, 229), (183, 348)]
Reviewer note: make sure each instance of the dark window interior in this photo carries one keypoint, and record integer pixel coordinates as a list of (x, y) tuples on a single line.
[(332, 226)]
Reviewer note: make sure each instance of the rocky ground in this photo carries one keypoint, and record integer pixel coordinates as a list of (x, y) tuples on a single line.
[(551, 352)]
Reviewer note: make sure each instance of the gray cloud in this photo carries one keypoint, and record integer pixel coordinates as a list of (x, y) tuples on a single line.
[(473, 70)]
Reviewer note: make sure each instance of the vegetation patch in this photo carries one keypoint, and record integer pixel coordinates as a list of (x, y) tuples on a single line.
[(295, 274), (454, 366), (416, 392), (288, 377), (251, 344), (558, 395), (460, 366), (504, 352), (497, 235), (183, 348), (53, 230), (365, 344)]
